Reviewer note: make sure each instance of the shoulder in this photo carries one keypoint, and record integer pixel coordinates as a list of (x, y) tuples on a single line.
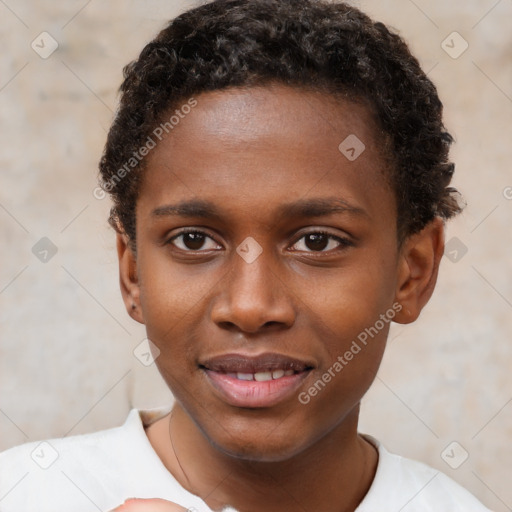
[(65, 451), (408, 485), (78, 469)]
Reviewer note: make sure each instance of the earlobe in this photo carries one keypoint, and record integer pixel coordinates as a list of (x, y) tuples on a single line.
[(128, 278), (418, 268)]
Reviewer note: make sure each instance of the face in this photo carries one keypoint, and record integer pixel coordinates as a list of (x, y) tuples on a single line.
[(263, 254)]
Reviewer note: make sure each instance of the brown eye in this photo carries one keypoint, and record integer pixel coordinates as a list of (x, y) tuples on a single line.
[(193, 241), (316, 241), (319, 242)]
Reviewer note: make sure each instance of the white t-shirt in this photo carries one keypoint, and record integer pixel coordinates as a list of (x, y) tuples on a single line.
[(99, 471)]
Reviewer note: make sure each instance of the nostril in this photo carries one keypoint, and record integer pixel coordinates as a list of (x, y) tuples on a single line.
[(228, 326), (267, 326)]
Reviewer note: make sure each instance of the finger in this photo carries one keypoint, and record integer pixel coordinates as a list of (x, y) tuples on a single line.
[(149, 505)]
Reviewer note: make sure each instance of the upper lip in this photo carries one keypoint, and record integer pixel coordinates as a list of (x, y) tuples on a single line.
[(240, 363)]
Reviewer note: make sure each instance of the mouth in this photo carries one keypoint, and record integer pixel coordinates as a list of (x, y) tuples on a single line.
[(255, 381)]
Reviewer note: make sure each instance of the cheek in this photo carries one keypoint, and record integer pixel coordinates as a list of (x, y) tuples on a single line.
[(173, 300), (346, 301), (352, 317), (169, 292)]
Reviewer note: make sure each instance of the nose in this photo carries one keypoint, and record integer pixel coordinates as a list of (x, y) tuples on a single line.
[(252, 297)]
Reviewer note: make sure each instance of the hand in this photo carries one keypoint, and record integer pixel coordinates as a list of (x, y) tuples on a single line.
[(152, 505)]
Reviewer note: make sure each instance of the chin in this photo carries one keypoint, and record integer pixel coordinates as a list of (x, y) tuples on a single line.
[(259, 452), (256, 446)]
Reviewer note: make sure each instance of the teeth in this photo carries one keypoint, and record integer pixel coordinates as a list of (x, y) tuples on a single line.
[(262, 376)]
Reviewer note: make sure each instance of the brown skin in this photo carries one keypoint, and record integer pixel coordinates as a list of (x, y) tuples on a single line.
[(249, 151)]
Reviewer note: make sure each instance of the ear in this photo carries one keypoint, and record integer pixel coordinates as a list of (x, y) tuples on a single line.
[(128, 278), (418, 268)]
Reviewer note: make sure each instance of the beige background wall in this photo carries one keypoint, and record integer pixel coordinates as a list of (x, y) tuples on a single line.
[(66, 343)]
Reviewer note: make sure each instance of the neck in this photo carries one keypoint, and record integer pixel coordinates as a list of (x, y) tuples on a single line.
[(332, 475)]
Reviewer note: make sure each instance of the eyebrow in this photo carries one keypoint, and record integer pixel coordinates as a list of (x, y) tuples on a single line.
[(191, 208), (309, 207), (319, 207)]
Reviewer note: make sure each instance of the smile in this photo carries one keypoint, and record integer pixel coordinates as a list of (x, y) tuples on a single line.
[(255, 382), (262, 376)]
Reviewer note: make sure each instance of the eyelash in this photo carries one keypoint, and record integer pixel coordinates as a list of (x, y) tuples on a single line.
[(343, 242)]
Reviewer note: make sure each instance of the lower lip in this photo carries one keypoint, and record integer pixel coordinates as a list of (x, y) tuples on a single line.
[(251, 393)]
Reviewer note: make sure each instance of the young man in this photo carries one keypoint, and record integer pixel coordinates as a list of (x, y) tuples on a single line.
[(280, 177)]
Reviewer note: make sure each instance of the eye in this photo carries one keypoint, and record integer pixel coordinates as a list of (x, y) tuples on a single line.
[(192, 241), (319, 241)]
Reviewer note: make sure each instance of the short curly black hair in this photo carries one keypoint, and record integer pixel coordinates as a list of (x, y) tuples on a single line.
[(313, 44)]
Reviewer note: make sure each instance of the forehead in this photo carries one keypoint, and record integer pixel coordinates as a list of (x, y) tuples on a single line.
[(268, 143), (245, 114)]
